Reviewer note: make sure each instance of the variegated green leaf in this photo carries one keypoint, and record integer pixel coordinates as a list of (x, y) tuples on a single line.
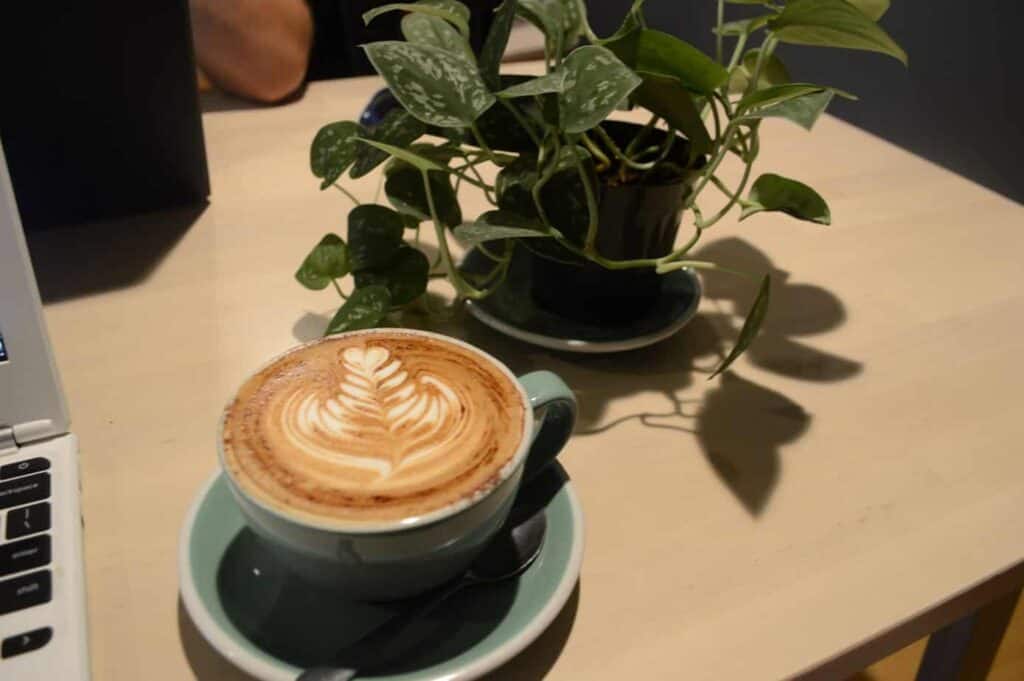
[(743, 26), (772, 192), (780, 93), (668, 98), (374, 235), (398, 129), (833, 23), (496, 42), (656, 52), (803, 110), (424, 29), (432, 84), (873, 9), (572, 23), (773, 72), (547, 16), (405, 191), (596, 81), (590, 83), (451, 11), (410, 157), (328, 260), (549, 82), (364, 309), (405, 275), (333, 150), (498, 224), (750, 327)]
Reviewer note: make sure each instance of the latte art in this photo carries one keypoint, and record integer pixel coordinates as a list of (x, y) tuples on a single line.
[(375, 426), (379, 419)]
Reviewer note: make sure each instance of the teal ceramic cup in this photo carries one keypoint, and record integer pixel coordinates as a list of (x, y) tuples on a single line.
[(397, 559)]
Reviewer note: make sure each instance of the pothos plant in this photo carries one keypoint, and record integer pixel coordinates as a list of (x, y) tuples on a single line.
[(456, 114)]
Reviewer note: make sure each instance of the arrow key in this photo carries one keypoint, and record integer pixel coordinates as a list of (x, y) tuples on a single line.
[(28, 520), (25, 643)]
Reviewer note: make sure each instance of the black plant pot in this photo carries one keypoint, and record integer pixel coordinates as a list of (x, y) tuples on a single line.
[(639, 220)]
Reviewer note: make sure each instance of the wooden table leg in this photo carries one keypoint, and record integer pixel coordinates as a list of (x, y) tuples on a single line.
[(965, 649)]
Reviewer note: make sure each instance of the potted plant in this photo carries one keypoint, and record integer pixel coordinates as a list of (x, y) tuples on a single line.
[(596, 204)]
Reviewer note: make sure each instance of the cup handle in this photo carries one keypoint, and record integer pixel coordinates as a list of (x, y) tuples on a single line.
[(554, 409)]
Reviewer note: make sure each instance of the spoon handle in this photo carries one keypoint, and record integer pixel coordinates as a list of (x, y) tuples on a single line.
[(387, 642)]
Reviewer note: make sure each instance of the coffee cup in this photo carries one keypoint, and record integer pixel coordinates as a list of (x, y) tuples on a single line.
[(381, 462)]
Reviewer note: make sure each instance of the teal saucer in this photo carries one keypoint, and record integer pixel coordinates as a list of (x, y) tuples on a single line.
[(270, 624), (511, 310)]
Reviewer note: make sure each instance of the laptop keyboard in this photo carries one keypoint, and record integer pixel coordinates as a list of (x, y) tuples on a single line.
[(25, 548)]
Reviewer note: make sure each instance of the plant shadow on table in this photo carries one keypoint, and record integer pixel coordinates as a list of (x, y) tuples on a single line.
[(739, 425), (95, 257)]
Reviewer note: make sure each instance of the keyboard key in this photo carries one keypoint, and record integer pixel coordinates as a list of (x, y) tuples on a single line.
[(15, 470), (25, 643), (26, 554), (23, 491), (28, 520), (25, 591)]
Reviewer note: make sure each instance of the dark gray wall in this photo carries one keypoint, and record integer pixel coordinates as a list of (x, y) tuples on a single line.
[(960, 104)]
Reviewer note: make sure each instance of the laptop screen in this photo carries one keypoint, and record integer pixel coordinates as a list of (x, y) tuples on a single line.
[(3, 350)]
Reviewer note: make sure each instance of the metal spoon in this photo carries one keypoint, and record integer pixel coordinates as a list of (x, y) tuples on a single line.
[(515, 547)]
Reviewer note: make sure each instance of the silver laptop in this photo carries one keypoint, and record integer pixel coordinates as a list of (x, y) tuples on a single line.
[(42, 590)]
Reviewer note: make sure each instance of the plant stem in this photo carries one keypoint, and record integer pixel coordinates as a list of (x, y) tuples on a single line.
[(718, 121), (483, 249), (633, 143), (478, 182), (767, 47), (481, 142), (653, 149), (338, 289), (726, 104), (666, 149), (462, 287), (346, 193), (589, 242), (685, 248), (489, 190), (709, 170), (701, 265), (521, 120), (581, 10), (718, 33), (618, 153), (737, 52), (545, 177), (602, 161), (733, 198)]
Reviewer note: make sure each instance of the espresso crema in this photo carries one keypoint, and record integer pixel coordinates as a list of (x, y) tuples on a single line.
[(371, 427)]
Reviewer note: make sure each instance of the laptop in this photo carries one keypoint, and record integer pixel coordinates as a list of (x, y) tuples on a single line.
[(42, 579)]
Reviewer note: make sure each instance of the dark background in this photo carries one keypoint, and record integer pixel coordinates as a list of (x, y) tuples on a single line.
[(99, 113), (959, 104)]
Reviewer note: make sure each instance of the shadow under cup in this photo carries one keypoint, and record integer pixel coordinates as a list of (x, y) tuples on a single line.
[(407, 557)]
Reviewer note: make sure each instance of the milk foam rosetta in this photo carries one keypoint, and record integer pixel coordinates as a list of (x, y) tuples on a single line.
[(378, 426)]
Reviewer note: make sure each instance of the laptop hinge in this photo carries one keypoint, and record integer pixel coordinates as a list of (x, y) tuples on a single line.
[(30, 431), (7, 443)]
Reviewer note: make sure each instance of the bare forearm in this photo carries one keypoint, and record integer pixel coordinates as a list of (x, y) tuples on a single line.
[(254, 48)]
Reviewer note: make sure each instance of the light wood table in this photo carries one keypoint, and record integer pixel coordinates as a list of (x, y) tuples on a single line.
[(855, 482)]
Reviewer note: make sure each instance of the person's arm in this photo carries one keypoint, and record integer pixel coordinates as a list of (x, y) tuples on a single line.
[(254, 48)]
